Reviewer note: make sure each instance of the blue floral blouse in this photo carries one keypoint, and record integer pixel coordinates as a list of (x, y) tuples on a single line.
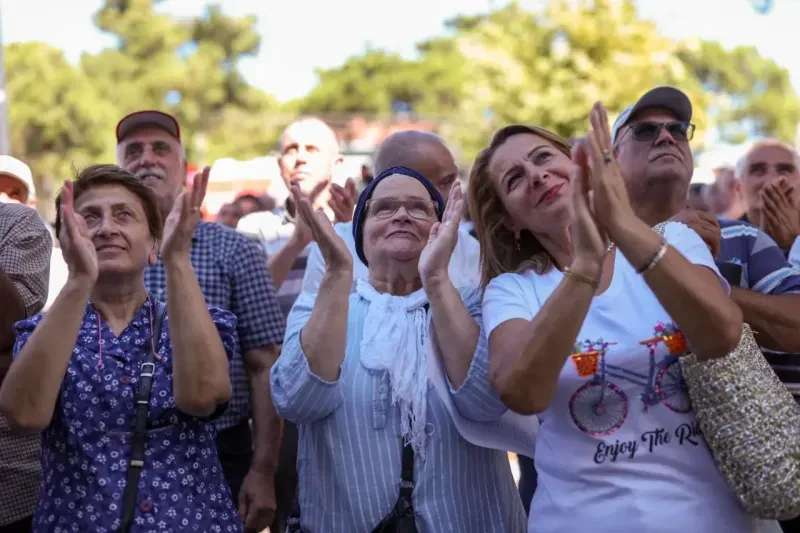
[(86, 447)]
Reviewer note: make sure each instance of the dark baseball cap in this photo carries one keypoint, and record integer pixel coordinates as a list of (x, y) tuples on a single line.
[(138, 119), (665, 97)]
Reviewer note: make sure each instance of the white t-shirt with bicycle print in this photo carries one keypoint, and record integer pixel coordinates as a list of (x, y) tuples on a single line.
[(619, 449)]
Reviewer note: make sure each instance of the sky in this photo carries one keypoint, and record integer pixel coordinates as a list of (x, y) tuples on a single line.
[(299, 36)]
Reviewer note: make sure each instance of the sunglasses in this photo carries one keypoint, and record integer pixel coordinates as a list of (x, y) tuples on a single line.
[(649, 131), (415, 207)]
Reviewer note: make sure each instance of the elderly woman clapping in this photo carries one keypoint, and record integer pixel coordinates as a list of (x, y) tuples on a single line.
[(123, 390), (354, 376)]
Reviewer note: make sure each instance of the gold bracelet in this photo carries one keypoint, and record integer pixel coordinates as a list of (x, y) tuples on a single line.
[(659, 255), (581, 277)]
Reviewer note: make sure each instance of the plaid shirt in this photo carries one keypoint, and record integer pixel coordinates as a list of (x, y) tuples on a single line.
[(25, 247), (232, 272)]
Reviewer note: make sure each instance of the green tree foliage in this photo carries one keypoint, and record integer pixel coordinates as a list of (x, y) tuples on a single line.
[(750, 95), (186, 66), (508, 65), (63, 115), (59, 121), (547, 67)]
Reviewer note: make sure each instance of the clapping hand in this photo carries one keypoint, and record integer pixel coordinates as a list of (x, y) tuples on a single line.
[(435, 258), (589, 240), (184, 217), (76, 244), (302, 234), (334, 250), (705, 225), (343, 200), (611, 205)]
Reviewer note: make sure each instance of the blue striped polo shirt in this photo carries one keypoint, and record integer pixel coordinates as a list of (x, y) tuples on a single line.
[(764, 269)]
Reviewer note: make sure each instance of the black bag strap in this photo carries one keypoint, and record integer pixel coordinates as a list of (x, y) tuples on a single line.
[(142, 407), (402, 507), (407, 473)]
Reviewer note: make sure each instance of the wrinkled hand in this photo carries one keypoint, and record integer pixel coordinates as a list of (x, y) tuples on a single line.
[(435, 258), (705, 225), (343, 200), (184, 217), (611, 206), (589, 239), (76, 245), (302, 234), (257, 504), (779, 218), (334, 250)]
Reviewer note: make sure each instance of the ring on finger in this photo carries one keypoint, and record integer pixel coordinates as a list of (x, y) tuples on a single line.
[(607, 157)]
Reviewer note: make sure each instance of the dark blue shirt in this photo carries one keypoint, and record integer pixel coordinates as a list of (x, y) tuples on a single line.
[(86, 447)]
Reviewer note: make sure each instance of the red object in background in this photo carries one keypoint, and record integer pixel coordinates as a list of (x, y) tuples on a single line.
[(191, 170)]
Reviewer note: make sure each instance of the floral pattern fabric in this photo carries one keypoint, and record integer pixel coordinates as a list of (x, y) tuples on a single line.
[(86, 447)]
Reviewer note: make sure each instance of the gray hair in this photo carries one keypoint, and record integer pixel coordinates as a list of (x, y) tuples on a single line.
[(741, 164)]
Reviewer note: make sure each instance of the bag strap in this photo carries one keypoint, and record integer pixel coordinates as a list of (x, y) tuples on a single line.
[(401, 507), (407, 473), (142, 407)]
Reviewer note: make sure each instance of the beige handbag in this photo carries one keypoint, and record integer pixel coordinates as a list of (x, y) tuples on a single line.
[(751, 424)]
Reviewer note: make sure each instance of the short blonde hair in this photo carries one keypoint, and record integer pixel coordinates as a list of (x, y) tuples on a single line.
[(741, 164), (498, 251)]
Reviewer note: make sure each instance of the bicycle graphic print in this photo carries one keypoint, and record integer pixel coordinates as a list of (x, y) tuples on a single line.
[(599, 407)]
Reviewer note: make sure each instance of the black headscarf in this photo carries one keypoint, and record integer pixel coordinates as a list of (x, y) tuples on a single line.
[(360, 213)]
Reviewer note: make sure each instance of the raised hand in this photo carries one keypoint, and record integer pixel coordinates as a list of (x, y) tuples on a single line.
[(705, 225), (76, 244), (343, 200), (302, 235), (611, 205), (182, 220), (334, 250), (589, 240), (435, 258), (779, 218)]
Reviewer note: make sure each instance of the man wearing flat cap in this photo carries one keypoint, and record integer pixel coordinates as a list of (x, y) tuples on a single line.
[(233, 275)]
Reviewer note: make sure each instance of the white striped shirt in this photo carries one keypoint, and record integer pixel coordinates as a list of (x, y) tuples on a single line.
[(350, 447)]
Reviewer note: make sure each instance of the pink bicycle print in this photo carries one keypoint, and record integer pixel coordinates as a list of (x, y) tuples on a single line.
[(599, 407)]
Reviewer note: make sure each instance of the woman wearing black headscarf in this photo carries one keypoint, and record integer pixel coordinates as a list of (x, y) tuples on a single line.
[(354, 376)]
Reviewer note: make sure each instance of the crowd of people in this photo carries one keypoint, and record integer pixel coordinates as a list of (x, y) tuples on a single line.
[(364, 357)]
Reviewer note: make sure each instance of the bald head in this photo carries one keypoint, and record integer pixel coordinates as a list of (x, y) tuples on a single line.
[(422, 151), (309, 126), (309, 153)]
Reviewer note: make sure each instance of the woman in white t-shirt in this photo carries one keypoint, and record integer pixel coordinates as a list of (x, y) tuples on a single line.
[(582, 307)]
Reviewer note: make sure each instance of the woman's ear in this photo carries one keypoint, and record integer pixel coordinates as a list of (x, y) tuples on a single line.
[(509, 225)]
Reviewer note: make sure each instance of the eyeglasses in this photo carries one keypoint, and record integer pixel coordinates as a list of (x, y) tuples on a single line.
[(649, 131), (415, 207)]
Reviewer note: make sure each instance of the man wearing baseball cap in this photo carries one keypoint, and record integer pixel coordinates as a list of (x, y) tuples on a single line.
[(25, 250), (651, 143), (16, 181), (233, 275)]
